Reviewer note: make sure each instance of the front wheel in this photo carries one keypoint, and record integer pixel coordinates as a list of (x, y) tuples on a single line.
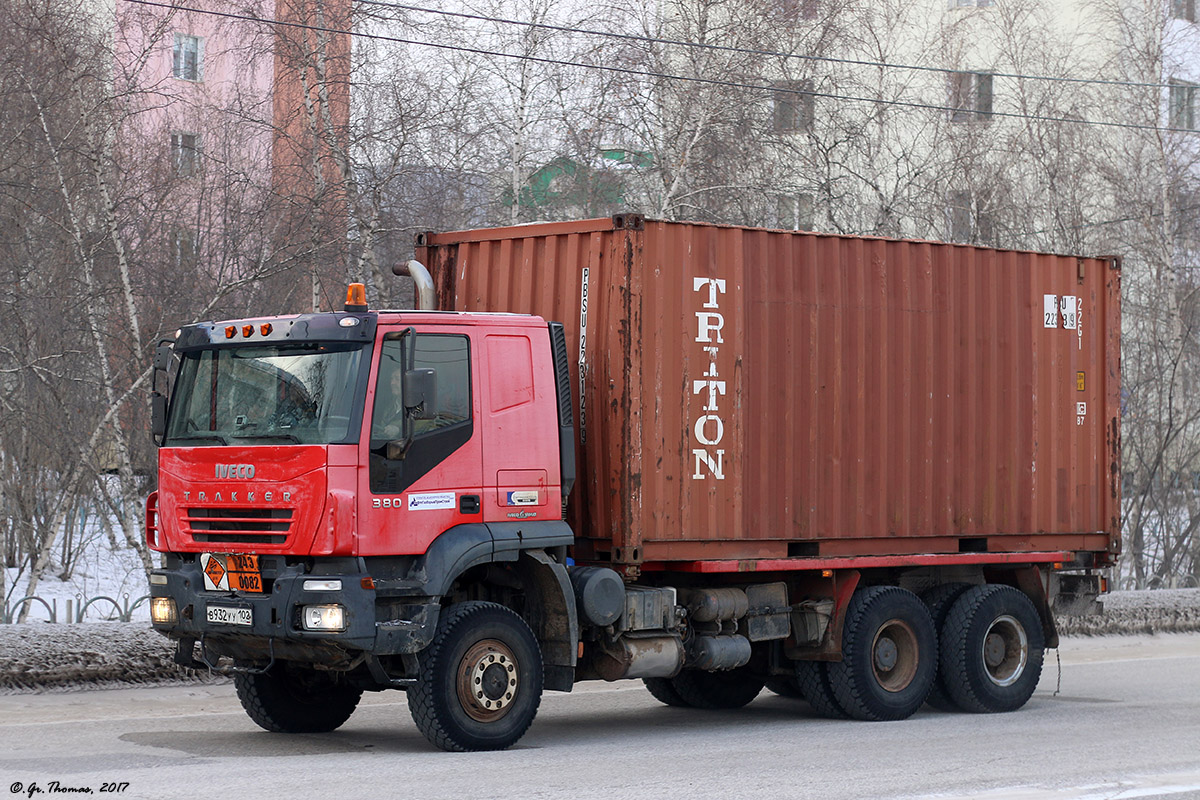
[(889, 655), (480, 680), (294, 698), (992, 650)]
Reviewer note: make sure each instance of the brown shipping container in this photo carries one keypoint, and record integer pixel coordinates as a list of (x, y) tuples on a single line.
[(756, 394)]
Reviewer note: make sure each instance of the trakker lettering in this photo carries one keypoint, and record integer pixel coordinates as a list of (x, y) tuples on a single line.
[(233, 496), (709, 428), (229, 471)]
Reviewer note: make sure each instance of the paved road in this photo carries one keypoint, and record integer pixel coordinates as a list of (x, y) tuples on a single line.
[(1126, 724)]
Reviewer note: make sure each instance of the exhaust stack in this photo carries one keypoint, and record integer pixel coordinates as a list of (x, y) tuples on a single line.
[(424, 281)]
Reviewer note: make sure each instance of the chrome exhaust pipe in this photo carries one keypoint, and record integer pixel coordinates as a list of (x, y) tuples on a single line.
[(423, 280)]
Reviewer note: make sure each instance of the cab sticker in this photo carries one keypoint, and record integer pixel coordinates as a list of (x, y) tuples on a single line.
[(431, 501)]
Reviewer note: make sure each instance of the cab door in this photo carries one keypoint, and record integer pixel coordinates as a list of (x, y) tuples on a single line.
[(521, 471), (423, 474)]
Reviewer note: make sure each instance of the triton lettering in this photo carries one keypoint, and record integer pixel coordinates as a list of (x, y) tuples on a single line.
[(709, 428)]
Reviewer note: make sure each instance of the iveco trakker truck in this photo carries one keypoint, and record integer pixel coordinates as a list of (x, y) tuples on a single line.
[(862, 472)]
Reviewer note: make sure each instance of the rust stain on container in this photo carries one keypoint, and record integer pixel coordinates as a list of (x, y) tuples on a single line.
[(743, 393)]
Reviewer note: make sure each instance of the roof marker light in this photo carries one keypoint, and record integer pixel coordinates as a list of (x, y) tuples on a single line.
[(356, 297), (247, 330), (265, 329), (230, 331)]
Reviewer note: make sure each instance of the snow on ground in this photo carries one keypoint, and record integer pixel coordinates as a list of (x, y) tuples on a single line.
[(1147, 611), (40, 657), (99, 571)]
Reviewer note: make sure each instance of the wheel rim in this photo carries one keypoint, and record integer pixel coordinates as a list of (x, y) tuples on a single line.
[(895, 655), (1005, 650), (487, 680)]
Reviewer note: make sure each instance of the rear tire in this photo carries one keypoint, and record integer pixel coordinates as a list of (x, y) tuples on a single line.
[(993, 649), (664, 692), (785, 687), (717, 690), (812, 678), (889, 655), (480, 680), (294, 698), (939, 600)]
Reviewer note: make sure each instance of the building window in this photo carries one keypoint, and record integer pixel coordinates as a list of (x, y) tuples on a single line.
[(1182, 106), (1184, 9), (970, 96), (967, 220), (188, 57), (185, 153), (793, 106), (794, 212)]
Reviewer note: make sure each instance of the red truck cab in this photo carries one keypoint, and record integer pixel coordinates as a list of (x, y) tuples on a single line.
[(323, 478)]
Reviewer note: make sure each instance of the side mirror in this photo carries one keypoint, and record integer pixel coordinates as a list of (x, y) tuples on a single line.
[(420, 393), (162, 356), (158, 400), (158, 416)]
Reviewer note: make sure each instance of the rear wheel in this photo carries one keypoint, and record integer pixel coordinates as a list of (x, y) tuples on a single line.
[(295, 698), (717, 690), (812, 678), (993, 649), (785, 687), (939, 600), (889, 655), (480, 681), (664, 692)]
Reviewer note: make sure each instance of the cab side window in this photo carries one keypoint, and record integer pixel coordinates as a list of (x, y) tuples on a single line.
[(439, 430)]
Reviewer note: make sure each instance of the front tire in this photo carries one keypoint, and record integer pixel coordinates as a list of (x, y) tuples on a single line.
[(889, 655), (294, 698), (480, 680), (993, 649)]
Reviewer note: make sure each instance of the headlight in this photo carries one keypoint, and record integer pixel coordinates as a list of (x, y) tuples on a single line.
[(323, 618), (162, 611)]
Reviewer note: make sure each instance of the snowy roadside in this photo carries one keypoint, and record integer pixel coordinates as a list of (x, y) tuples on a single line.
[(40, 657)]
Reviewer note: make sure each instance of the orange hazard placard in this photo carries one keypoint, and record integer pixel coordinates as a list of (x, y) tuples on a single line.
[(236, 572), (214, 571)]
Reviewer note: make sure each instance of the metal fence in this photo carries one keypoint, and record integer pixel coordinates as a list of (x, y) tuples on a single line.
[(77, 608)]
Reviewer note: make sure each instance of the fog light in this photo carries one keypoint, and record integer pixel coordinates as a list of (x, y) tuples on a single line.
[(323, 618), (162, 611), (322, 586)]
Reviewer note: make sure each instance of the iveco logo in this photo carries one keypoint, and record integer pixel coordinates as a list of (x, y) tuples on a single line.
[(235, 470)]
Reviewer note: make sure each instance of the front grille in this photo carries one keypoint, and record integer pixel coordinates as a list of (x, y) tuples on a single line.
[(244, 525), (239, 538)]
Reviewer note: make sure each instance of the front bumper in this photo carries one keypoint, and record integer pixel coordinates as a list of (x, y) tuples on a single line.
[(375, 624)]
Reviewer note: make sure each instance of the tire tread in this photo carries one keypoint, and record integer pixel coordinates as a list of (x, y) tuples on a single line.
[(846, 681), (423, 699), (955, 659)]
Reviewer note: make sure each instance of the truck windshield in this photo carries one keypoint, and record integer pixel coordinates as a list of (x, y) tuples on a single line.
[(301, 393)]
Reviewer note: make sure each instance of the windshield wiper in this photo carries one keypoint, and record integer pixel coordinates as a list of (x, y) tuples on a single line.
[(198, 437), (285, 436)]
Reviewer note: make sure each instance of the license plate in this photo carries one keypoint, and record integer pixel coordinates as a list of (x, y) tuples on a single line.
[(233, 572), (229, 615)]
